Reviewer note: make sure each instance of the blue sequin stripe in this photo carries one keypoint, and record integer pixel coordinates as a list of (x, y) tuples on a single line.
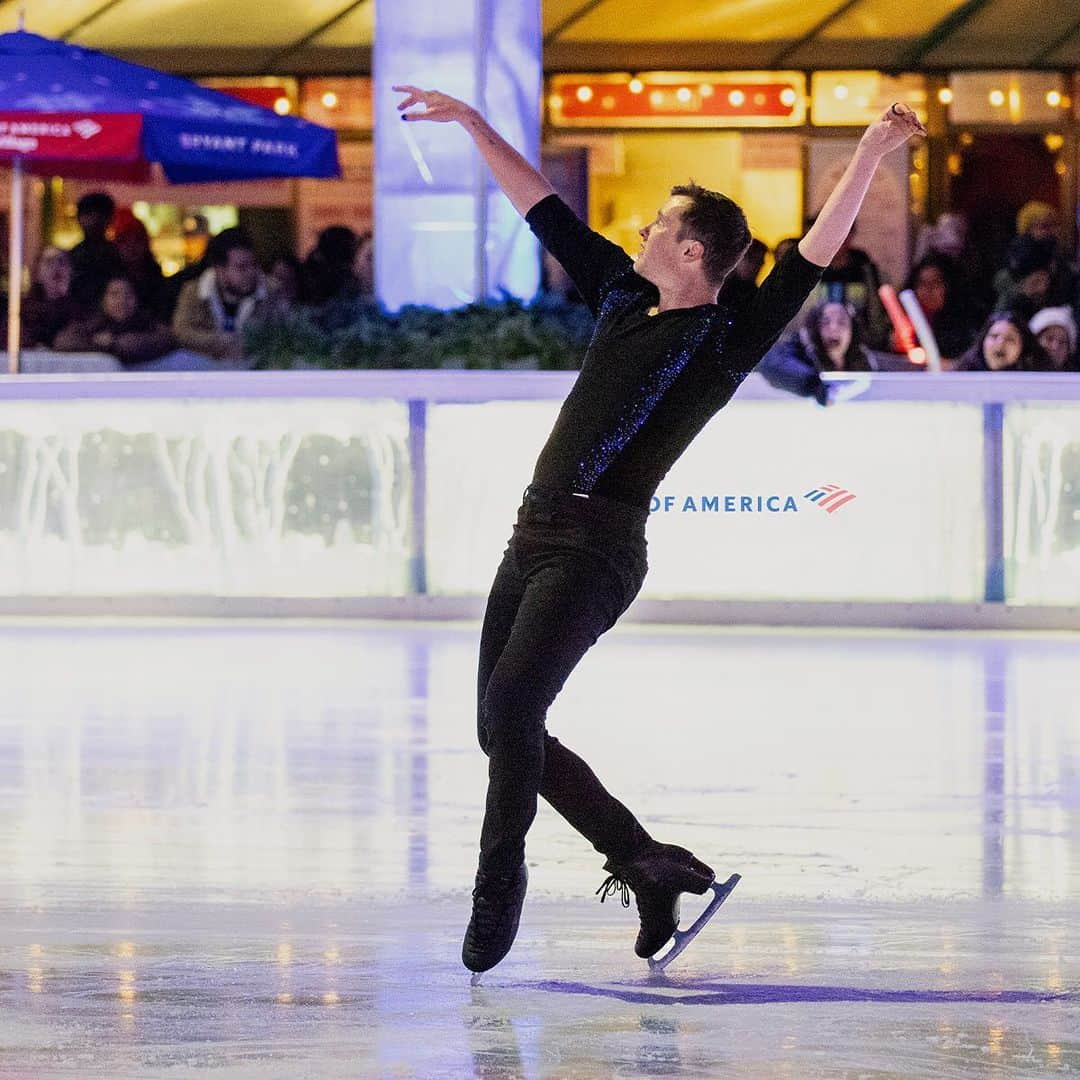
[(599, 457)]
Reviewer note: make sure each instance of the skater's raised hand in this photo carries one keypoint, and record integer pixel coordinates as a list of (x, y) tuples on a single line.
[(523, 185), (440, 107), (892, 129)]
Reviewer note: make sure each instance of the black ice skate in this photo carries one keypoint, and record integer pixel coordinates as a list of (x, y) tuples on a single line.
[(658, 875), (496, 913)]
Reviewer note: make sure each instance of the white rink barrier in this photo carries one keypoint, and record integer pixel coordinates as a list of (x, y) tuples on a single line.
[(395, 493)]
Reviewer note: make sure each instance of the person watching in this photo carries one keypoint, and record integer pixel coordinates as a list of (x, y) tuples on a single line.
[(121, 328), (49, 306), (1005, 344), (213, 310)]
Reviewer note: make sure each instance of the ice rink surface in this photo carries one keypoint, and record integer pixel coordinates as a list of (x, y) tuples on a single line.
[(240, 849)]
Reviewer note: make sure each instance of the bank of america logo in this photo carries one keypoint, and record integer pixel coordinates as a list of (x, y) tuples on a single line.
[(830, 497), (87, 128)]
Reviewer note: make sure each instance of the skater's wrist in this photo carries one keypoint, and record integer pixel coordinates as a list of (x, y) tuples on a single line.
[(473, 120)]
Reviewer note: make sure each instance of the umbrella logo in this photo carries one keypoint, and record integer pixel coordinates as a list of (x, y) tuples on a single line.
[(87, 129)]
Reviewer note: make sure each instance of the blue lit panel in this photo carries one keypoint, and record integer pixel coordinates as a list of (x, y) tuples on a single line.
[(436, 202)]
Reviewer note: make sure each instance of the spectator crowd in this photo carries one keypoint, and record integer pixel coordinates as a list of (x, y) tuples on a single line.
[(1020, 317), (108, 294)]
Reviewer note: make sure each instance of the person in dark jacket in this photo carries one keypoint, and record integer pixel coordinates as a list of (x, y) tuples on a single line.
[(49, 306), (949, 308), (330, 269), (119, 327), (1029, 280), (829, 340), (1006, 343), (95, 261), (142, 269)]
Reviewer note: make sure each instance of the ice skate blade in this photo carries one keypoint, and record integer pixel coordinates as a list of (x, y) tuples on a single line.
[(684, 937), (475, 980)]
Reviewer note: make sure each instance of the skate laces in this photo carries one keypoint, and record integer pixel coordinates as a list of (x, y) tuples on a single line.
[(614, 884)]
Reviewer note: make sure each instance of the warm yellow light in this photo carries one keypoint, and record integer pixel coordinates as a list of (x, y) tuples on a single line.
[(329, 100), (1060, 168), (555, 101), (607, 102), (967, 139), (282, 106), (1054, 142), (684, 94), (656, 99), (636, 86), (997, 98), (1053, 98), (840, 92), (705, 90), (584, 93), (945, 96), (788, 97), (736, 98)]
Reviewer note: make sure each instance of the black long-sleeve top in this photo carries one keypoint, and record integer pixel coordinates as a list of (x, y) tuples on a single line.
[(648, 384)]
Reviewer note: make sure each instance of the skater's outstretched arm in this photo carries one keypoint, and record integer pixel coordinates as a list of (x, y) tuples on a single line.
[(523, 185), (892, 129), (593, 262)]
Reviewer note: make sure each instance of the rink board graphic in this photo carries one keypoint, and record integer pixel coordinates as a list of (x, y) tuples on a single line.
[(372, 484)]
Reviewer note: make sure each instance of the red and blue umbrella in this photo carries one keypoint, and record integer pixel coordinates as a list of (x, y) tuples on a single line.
[(70, 111)]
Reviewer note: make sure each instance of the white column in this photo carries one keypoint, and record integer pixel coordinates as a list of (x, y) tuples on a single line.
[(444, 233)]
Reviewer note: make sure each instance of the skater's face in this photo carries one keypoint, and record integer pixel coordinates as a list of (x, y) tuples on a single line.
[(1002, 346), (665, 253)]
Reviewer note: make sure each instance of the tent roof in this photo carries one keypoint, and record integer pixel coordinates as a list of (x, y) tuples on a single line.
[(216, 37)]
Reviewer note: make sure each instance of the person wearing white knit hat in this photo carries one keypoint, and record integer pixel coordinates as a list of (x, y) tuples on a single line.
[(1056, 330)]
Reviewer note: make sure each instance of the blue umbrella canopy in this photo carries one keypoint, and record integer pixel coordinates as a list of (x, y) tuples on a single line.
[(64, 108)]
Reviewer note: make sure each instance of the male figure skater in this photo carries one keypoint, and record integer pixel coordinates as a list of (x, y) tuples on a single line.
[(663, 359)]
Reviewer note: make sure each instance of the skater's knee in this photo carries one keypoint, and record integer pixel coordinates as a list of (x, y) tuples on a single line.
[(507, 716)]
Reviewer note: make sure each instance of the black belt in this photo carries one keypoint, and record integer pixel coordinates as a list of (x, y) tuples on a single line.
[(541, 503)]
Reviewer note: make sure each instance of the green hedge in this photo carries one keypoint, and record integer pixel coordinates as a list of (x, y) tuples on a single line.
[(548, 334)]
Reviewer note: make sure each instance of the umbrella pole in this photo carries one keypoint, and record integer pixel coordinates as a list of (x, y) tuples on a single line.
[(15, 259)]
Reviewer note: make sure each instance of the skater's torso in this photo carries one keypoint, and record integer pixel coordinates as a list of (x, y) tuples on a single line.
[(648, 383)]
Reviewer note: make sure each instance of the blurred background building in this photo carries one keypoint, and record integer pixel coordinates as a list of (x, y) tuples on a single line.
[(639, 94)]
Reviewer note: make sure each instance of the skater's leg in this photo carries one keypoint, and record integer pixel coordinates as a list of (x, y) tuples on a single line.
[(568, 602), (567, 783), (574, 790), (502, 606)]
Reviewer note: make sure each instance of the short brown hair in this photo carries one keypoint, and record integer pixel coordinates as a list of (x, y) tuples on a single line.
[(718, 224)]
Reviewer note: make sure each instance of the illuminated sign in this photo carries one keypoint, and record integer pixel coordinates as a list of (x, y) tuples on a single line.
[(678, 99)]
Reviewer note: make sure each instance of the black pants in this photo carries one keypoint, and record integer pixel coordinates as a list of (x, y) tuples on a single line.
[(571, 568)]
